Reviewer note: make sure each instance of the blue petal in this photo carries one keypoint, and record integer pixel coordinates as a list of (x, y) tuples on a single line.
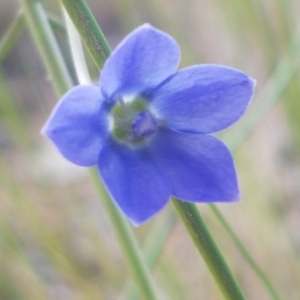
[(199, 167), (144, 59), (203, 99), (133, 180), (78, 125)]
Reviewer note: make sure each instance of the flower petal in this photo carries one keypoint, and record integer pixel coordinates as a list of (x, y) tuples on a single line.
[(143, 60), (203, 98), (78, 125), (133, 180), (199, 167)]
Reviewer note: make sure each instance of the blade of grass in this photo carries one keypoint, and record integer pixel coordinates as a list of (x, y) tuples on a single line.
[(12, 34), (209, 250), (271, 93), (47, 45), (155, 239), (242, 249), (152, 248), (89, 31), (123, 231)]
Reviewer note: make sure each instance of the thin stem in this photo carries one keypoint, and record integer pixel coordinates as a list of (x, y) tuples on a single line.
[(127, 242), (51, 56), (271, 93), (48, 48), (122, 229), (205, 244), (245, 253), (152, 248), (89, 30), (12, 34)]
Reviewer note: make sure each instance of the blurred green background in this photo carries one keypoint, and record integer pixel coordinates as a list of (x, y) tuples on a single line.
[(56, 241)]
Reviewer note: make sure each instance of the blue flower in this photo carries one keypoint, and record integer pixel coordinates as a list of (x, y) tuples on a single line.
[(147, 127)]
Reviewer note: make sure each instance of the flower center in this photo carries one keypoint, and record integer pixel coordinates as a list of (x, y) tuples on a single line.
[(132, 121), (144, 124)]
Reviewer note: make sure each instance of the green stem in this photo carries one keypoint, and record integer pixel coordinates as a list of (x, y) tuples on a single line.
[(89, 30), (278, 82), (208, 249), (10, 37), (48, 48), (152, 248), (128, 243), (245, 253), (122, 229), (56, 68)]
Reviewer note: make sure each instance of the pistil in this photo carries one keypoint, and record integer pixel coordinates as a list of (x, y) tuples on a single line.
[(133, 122)]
